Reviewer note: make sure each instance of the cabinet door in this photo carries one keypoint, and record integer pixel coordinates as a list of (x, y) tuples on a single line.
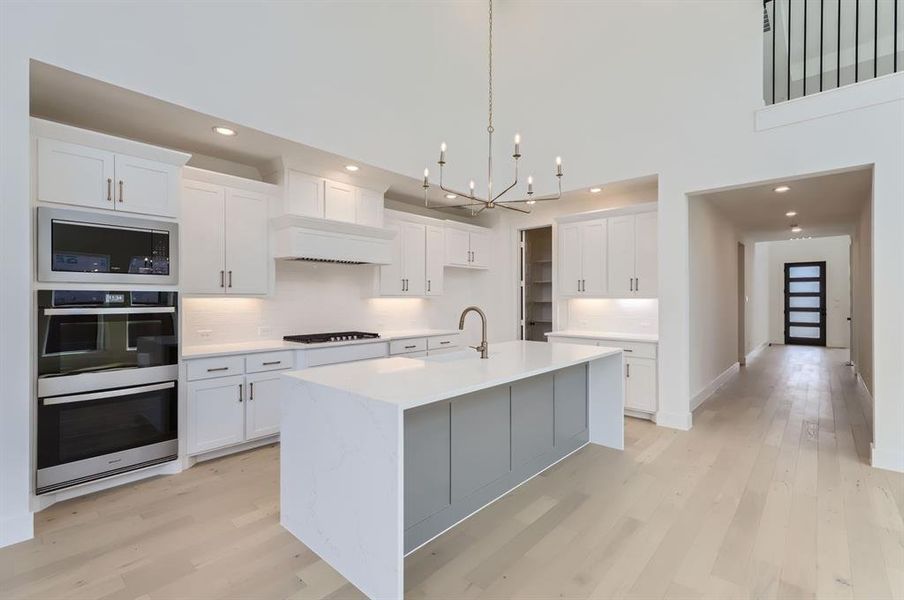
[(414, 262), (570, 397), (458, 247), (369, 210), (570, 260), (247, 243), (533, 427), (216, 413), (621, 256), (640, 384), (391, 275), (146, 186), (481, 440), (646, 259), (480, 249), (202, 238), (435, 260), (339, 201), (262, 409), (427, 473), (72, 174), (593, 258), (304, 196)]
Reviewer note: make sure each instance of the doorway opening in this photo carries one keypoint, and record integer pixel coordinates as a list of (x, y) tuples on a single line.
[(805, 303), (536, 283)]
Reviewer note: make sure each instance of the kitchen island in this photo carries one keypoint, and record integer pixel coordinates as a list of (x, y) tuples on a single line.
[(380, 456)]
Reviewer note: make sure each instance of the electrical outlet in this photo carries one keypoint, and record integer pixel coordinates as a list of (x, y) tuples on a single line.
[(264, 331), (582, 324), (205, 333)]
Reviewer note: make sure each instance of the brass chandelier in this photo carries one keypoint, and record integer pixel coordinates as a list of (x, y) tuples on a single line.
[(473, 202)]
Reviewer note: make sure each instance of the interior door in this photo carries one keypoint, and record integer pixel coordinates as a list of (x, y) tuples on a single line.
[(593, 258), (570, 260), (621, 256), (146, 186), (247, 246), (805, 303), (414, 264), (646, 259), (203, 238), (435, 258)]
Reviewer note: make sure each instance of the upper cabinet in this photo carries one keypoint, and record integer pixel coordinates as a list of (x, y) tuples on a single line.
[(582, 258), (406, 274), (83, 168), (467, 246), (311, 196), (225, 235), (612, 257), (633, 269)]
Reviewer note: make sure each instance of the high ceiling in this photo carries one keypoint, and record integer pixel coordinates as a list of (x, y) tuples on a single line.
[(825, 204)]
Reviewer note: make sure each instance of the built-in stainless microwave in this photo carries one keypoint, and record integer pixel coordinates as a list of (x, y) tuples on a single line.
[(88, 247)]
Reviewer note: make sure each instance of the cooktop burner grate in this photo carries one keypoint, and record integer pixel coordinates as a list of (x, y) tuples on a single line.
[(340, 336)]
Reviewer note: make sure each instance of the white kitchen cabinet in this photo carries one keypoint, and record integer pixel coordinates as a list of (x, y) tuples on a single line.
[(203, 238), (339, 201), (247, 246), (633, 270), (82, 175), (303, 194), (265, 391), (406, 274), (369, 208), (146, 186), (74, 174), (582, 259), (467, 246), (225, 238), (640, 384), (435, 257), (216, 413)]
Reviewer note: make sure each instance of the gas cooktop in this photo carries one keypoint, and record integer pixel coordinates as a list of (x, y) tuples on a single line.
[(340, 336)]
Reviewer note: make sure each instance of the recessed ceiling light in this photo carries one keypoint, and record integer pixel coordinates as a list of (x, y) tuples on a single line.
[(596, 190), (351, 168), (224, 130), (781, 189), (791, 213), (796, 229), (451, 196)]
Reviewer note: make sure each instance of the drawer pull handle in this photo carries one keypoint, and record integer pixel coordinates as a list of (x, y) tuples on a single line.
[(444, 343), (410, 347), (627, 350), (211, 370), (271, 363)]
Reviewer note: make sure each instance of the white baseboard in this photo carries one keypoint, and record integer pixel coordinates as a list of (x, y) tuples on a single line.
[(710, 389), (16, 528), (682, 421), (759, 348), (890, 459)]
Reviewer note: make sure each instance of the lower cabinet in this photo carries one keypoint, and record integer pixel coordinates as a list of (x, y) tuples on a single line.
[(234, 409)]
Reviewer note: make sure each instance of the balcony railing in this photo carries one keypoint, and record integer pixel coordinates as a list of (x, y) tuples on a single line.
[(815, 45)]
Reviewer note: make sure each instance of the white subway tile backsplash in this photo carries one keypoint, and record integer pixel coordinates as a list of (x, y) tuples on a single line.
[(617, 315)]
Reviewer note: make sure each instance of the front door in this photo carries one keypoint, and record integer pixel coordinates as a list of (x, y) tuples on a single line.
[(805, 303)]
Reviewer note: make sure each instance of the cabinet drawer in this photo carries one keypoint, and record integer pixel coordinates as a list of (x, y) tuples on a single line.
[(341, 354), (269, 361), (445, 341), (632, 349), (220, 366), (407, 345)]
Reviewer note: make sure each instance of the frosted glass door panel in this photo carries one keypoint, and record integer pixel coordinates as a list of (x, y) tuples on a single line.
[(804, 332), (804, 302), (798, 272), (804, 317), (806, 287)]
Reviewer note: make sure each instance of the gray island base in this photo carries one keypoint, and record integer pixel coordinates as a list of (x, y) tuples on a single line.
[(379, 457)]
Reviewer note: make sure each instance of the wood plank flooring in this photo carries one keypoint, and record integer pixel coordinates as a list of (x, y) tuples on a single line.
[(769, 496)]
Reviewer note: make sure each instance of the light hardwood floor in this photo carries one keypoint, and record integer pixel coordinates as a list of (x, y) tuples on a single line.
[(769, 496)]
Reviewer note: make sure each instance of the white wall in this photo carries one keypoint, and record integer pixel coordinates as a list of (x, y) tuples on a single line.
[(835, 251), (620, 89), (757, 291), (862, 280), (714, 279)]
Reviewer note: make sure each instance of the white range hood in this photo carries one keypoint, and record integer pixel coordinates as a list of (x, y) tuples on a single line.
[(321, 240)]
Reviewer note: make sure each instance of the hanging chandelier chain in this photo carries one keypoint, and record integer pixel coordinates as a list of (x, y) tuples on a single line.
[(490, 60)]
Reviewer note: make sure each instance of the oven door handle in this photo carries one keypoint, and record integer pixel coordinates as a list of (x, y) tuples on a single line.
[(108, 394), (143, 310)]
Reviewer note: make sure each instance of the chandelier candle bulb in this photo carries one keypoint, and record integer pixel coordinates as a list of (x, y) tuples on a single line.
[(442, 153), (530, 184), (558, 165), (426, 176), (517, 145), (471, 187)]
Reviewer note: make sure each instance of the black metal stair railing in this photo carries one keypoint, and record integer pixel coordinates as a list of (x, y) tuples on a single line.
[(813, 45)]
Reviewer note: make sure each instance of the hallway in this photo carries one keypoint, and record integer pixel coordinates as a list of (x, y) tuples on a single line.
[(768, 496)]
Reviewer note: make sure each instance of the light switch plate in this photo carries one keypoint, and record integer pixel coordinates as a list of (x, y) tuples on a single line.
[(205, 333), (264, 331)]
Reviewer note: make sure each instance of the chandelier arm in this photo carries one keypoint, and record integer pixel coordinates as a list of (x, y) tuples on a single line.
[(458, 205), (450, 191), (520, 210), (543, 199), (506, 190)]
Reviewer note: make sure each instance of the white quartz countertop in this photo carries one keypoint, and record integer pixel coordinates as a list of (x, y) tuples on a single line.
[(208, 350), (607, 335), (412, 382)]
